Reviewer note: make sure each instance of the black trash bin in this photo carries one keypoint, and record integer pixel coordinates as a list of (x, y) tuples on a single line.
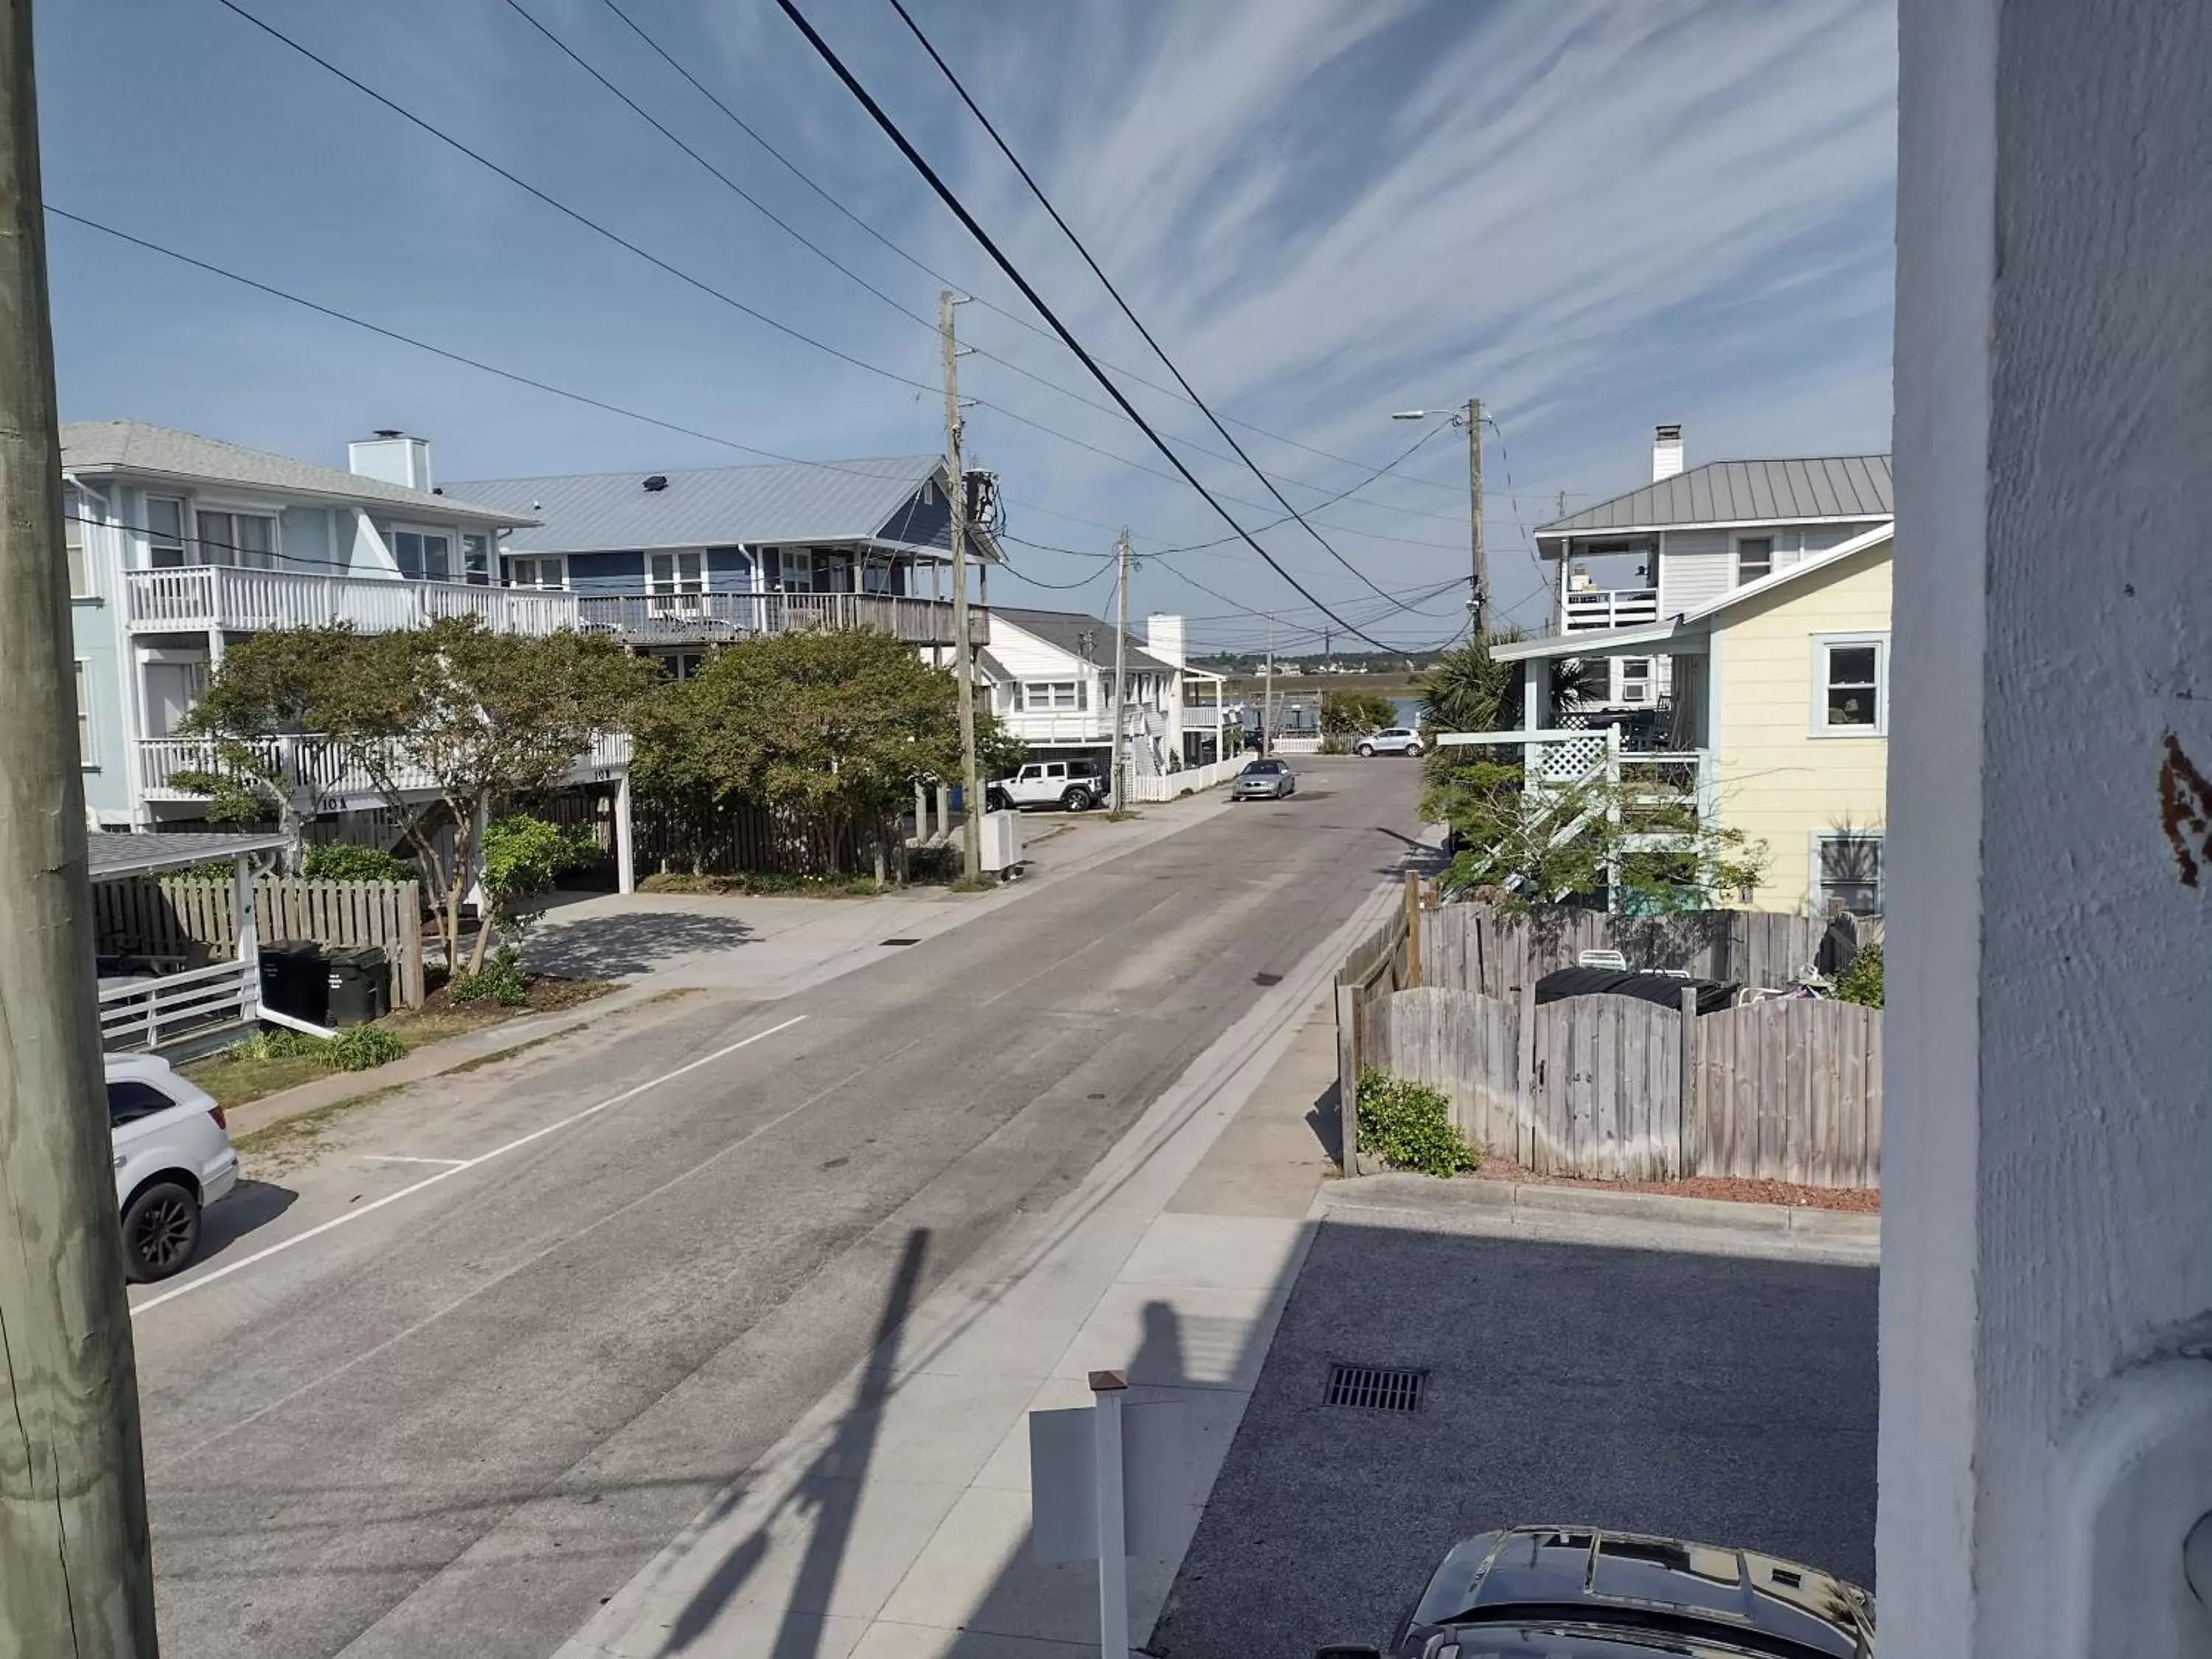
[(360, 984), (295, 980)]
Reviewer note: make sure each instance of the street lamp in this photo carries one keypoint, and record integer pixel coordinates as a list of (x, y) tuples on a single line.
[(1469, 414)]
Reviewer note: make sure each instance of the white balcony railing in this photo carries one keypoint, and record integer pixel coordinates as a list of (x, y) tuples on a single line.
[(199, 596), (329, 773), (687, 619), (1594, 608)]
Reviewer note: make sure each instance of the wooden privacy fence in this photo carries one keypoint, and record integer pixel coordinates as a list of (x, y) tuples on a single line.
[(737, 841), (193, 920), (1474, 947), (1619, 1088)]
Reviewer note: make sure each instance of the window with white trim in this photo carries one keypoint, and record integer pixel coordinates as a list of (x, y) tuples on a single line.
[(73, 518), (1041, 695), (1754, 557), (1848, 874), (1636, 679), (244, 539), (1850, 685), (542, 570), (676, 573), (164, 534), (476, 559), (88, 751)]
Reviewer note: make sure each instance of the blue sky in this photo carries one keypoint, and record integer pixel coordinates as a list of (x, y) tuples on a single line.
[(1596, 217)]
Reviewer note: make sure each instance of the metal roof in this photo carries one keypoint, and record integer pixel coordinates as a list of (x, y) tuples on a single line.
[(1744, 492), (1065, 629), (135, 447), (119, 853), (714, 506)]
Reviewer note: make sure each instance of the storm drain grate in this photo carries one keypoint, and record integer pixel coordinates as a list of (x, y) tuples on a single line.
[(901, 941), (1375, 1388)]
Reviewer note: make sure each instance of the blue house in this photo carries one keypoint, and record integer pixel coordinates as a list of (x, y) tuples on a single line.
[(678, 562)]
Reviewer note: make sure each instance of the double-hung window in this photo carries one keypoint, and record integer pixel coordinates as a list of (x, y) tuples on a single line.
[(73, 518), (164, 534), (244, 539), (1038, 696), (1850, 873), (1850, 685), (542, 570), (1754, 557), (422, 555), (674, 579)]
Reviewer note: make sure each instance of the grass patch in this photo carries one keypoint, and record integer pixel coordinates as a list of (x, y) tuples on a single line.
[(291, 1138), (766, 883)]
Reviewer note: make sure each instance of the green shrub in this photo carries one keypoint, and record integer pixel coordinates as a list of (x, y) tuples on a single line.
[(503, 980), (277, 1042), (1409, 1126), (344, 862), (361, 1047), (1860, 982)]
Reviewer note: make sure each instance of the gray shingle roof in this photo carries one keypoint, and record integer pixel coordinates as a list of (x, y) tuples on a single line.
[(1066, 628), (137, 446), (713, 506), (1726, 492), (111, 853)]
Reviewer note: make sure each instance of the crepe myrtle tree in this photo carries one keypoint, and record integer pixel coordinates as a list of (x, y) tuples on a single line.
[(451, 715)]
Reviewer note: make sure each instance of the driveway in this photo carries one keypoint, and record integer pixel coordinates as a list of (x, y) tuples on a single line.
[(1678, 1380)]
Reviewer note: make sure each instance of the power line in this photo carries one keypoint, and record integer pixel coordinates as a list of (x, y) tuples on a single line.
[(1029, 293), (1012, 316), (1159, 350)]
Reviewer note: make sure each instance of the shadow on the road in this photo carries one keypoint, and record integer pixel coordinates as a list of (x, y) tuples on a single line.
[(1325, 1117), (252, 1206), (613, 947), (830, 1489)]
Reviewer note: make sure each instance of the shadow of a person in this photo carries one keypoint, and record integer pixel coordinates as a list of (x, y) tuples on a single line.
[(1158, 1362)]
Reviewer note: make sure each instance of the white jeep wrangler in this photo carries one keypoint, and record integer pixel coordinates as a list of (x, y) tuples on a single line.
[(1072, 785)]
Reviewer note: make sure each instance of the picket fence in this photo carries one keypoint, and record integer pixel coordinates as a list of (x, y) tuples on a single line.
[(189, 922), (1618, 1089), (1167, 785)]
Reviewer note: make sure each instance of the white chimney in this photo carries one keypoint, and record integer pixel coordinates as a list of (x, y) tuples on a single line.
[(1164, 637), (1666, 452), (392, 456)]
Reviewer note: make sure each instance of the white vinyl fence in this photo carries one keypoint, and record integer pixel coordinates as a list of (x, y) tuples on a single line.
[(1188, 781)]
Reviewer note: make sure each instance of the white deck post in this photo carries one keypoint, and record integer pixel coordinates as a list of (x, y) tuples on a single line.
[(1535, 710), (625, 839), (249, 938), (2047, 1241)]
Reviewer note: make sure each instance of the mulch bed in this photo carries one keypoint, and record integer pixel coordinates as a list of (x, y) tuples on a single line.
[(1865, 1200)]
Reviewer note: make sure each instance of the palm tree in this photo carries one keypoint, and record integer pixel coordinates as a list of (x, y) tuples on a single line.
[(1466, 690)]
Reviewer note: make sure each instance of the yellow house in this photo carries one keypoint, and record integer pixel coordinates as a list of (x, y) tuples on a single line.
[(1774, 692)]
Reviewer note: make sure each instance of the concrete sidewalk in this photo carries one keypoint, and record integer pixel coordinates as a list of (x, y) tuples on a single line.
[(894, 1519)]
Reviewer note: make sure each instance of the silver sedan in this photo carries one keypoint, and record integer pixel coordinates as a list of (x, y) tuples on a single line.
[(1264, 780)]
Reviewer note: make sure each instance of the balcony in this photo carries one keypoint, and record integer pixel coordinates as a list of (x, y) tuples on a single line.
[(708, 618), (330, 772), (1595, 608), (199, 597)]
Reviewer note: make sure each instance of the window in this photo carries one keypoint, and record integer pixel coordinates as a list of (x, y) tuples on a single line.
[(1851, 686), (797, 570), (675, 573), (1850, 874), (164, 534), (87, 753), (73, 517), (128, 1101), (1636, 679), (422, 555), (475, 560), (1053, 694), (1754, 557), (245, 540), (537, 570)]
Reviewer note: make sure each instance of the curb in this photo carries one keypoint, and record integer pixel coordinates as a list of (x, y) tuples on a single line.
[(1409, 1192)]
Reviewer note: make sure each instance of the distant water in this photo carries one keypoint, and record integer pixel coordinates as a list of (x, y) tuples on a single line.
[(1409, 710)]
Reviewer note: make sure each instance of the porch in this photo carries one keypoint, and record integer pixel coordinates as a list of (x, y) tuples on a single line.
[(331, 773), (702, 618), (226, 599)]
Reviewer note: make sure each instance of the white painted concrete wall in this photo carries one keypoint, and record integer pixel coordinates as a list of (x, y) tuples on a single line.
[(2047, 1202)]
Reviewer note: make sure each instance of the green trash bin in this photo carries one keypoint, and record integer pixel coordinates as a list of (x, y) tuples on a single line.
[(360, 984)]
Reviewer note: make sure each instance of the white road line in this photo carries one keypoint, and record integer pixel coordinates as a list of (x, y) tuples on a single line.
[(516, 1145), (402, 1157)]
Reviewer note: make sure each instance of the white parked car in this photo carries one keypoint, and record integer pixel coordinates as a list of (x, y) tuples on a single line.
[(173, 1159), (1391, 740), (1073, 786)]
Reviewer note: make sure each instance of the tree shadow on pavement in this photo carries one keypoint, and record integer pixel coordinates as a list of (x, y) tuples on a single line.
[(829, 1490), (637, 942)]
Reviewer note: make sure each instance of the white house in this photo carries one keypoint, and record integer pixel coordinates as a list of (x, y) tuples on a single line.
[(1050, 674)]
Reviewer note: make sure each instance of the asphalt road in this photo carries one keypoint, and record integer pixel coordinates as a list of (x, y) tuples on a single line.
[(526, 1322), (1674, 1380)]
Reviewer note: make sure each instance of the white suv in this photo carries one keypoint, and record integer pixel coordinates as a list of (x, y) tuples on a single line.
[(1073, 786), (173, 1159), (1392, 741)]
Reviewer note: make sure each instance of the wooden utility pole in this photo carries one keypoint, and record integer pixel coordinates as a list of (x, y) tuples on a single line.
[(76, 1574), (1267, 695), (1120, 776), (963, 654), (1478, 602)]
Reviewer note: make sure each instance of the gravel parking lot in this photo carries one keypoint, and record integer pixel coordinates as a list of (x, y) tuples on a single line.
[(1679, 1380)]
